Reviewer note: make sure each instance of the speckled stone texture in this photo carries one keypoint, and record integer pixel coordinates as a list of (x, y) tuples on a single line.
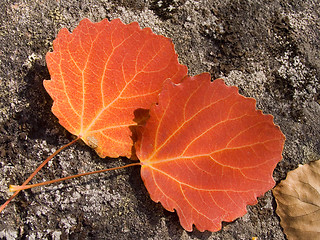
[(269, 49)]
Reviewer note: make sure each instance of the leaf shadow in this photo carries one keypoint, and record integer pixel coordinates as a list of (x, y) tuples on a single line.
[(200, 235), (153, 212), (36, 119)]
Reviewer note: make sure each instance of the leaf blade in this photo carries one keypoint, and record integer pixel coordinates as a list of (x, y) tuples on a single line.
[(201, 152), (298, 202), (101, 73)]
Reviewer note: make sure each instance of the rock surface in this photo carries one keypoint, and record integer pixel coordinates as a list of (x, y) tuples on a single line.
[(269, 50)]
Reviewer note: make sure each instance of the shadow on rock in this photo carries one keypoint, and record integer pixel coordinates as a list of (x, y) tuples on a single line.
[(37, 119)]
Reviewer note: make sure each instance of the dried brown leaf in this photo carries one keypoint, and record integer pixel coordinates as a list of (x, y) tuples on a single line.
[(298, 200)]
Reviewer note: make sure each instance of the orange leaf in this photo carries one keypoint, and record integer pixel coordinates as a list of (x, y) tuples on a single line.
[(207, 152), (101, 73)]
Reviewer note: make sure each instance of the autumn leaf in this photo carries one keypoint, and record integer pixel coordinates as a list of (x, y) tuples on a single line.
[(207, 152), (298, 202), (101, 73)]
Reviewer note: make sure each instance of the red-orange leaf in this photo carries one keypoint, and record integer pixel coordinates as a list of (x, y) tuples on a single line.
[(101, 73), (207, 152)]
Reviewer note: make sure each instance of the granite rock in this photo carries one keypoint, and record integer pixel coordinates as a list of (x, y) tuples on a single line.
[(269, 49)]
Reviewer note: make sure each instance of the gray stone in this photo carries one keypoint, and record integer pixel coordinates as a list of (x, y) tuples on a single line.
[(269, 49)]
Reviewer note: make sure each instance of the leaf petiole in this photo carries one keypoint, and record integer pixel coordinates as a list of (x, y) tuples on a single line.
[(13, 188), (36, 171)]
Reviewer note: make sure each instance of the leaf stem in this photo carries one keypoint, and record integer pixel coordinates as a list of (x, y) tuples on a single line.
[(14, 188), (37, 170)]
